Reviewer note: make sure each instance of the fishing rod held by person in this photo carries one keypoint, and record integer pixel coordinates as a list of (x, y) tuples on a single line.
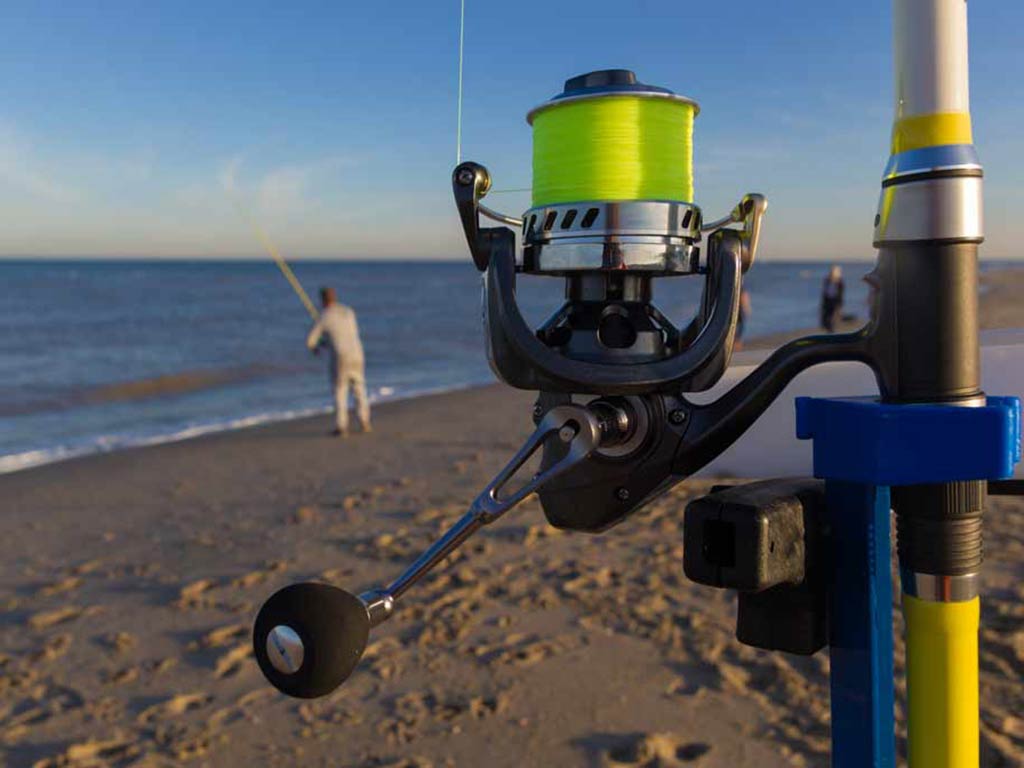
[(616, 426)]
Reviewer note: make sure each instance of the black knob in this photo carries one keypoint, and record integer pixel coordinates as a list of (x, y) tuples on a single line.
[(309, 637), (600, 79), (607, 81)]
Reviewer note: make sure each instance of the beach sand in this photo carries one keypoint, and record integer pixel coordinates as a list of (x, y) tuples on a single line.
[(129, 582)]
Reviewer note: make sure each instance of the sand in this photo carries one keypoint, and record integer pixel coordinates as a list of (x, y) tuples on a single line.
[(128, 583)]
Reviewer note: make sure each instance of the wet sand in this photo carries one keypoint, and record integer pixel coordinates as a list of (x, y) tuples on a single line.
[(129, 581)]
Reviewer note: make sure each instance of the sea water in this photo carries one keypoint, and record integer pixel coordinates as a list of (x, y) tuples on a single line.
[(100, 355)]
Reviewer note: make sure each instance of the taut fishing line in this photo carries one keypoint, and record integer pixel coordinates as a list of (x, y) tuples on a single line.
[(458, 117)]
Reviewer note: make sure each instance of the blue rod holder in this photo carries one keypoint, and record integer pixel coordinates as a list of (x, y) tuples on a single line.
[(860, 625), (861, 447)]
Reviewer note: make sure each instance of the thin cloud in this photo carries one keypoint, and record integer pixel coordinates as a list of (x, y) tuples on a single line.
[(22, 171)]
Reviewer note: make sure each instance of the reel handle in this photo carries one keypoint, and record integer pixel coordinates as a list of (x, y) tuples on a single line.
[(309, 637)]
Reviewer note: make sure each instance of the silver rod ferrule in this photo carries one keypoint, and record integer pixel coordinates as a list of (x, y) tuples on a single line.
[(937, 588)]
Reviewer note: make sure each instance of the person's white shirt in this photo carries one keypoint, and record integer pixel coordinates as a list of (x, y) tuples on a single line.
[(338, 323)]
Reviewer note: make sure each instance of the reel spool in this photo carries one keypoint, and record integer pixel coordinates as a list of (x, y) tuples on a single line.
[(612, 210), (608, 137)]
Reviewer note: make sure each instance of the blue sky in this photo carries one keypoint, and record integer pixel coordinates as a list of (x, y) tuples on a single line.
[(127, 128)]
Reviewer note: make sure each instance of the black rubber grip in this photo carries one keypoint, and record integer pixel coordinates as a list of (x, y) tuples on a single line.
[(939, 527), (331, 623)]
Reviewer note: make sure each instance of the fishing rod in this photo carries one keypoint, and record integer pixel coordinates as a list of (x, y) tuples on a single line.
[(275, 254), (612, 213)]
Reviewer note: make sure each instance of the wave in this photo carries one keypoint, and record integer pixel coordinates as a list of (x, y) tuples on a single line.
[(16, 462)]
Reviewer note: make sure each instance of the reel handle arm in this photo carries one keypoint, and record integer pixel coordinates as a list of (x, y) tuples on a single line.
[(574, 425)]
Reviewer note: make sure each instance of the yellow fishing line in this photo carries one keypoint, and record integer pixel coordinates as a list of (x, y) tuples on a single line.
[(614, 147)]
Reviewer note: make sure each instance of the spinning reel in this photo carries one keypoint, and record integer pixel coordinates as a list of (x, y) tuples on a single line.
[(613, 424)]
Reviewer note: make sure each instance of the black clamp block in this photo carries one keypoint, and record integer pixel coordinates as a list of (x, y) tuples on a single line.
[(764, 539)]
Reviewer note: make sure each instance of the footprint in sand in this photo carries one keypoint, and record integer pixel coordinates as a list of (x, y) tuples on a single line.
[(253, 578), (173, 707), (525, 651), (47, 619), (87, 567), (52, 649), (59, 587), (194, 595), (250, 579), (655, 750), (231, 662), (119, 642), (123, 676), (114, 750), (223, 635)]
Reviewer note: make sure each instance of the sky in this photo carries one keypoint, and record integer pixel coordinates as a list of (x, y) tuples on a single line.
[(156, 129)]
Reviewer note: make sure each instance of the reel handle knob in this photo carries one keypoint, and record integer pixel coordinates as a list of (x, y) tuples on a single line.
[(308, 637)]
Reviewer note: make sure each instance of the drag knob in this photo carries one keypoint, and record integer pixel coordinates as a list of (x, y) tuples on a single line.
[(309, 637)]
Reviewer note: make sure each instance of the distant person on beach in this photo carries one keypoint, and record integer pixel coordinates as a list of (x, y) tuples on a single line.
[(338, 331), (741, 321), (832, 298)]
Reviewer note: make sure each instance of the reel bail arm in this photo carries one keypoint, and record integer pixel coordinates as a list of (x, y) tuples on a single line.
[(470, 183), (750, 210), (308, 637)]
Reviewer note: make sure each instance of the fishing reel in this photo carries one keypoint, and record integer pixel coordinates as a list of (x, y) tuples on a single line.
[(613, 425)]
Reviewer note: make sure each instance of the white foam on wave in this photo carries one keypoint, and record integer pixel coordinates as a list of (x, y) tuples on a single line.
[(107, 443)]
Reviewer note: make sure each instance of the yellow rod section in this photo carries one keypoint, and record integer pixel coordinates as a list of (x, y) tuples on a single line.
[(942, 683)]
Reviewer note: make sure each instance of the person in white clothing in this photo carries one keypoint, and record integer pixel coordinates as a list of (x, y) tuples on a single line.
[(338, 331)]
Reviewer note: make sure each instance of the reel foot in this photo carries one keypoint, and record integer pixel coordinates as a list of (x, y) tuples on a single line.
[(308, 638)]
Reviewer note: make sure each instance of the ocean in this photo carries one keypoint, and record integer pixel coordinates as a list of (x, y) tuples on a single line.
[(101, 355)]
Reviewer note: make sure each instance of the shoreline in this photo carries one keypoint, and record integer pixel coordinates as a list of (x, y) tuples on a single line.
[(1000, 307), (25, 461)]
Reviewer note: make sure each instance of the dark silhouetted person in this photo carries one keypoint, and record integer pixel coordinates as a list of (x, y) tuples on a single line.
[(832, 298), (338, 324)]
